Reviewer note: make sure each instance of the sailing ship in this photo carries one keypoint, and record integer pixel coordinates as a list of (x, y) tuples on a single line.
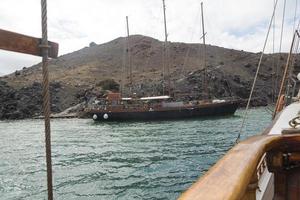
[(266, 166), (157, 108), (116, 108)]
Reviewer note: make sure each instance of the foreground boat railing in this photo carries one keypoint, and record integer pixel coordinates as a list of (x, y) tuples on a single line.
[(236, 175), (261, 167)]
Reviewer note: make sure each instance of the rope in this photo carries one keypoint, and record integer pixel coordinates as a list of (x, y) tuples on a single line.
[(256, 75), (280, 45), (283, 80), (123, 70), (273, 61), (189, 48), (46, 98), (293, 57), (295, 122), (147, 61), (295, 16)]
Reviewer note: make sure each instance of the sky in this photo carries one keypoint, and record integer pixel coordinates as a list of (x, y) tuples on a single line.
[(235, 24)]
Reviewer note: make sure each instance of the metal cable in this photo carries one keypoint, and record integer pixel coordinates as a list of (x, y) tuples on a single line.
[(256, 75), (293, 57), (147, 62), (189, 48), (283, 80), (295, 16), (273, 61), (46, 98), (123, 70), (279, 51)]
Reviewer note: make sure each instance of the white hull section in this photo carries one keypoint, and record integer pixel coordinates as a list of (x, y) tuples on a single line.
[(266, 186)]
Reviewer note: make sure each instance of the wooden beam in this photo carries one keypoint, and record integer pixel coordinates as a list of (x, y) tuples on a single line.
[(16, 42)]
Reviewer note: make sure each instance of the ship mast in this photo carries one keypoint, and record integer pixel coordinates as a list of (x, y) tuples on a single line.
[(204, 53), (128, 56), (165, 59)]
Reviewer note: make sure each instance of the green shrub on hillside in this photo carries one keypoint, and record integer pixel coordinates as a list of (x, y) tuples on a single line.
[(109, 84)]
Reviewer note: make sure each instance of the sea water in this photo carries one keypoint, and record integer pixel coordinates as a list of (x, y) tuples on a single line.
[(132, 160)]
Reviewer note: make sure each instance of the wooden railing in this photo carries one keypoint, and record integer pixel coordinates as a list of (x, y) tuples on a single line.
[(261, 167), (235, 176)]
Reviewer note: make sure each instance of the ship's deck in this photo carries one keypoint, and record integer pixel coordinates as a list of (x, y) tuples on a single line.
[(284, 117)]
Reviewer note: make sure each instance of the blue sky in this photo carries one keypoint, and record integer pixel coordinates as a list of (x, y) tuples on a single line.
[(237, 24)]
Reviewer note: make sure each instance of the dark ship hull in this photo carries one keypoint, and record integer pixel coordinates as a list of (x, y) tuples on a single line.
[(206, 110)]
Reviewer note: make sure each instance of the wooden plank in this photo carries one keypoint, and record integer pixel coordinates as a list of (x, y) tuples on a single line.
[(16, 42)]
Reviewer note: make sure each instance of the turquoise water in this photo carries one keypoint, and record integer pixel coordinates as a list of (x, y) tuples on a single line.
[(136, 160)]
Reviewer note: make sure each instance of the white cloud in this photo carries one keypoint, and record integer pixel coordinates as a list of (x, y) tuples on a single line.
[(238, 24), (11, 61)]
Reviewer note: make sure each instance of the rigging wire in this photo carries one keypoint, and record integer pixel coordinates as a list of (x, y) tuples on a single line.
[(147, 62), (283, 80), (295, 50), (295, 16), (123, 76), (189, 48), (256, 75), (296, 46), (280, 45), (273, 63), (269, 110)]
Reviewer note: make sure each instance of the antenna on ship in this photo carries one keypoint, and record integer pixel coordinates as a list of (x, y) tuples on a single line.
[(128, 56), (204, 54), (165, 60)]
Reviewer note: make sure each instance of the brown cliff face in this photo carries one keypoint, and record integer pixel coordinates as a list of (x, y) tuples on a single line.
[(230, 72)]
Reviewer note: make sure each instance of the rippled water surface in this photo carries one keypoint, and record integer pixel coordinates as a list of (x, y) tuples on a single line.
[(135, 160)]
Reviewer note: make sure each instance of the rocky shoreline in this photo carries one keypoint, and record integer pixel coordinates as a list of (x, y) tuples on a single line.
[(26, 102)]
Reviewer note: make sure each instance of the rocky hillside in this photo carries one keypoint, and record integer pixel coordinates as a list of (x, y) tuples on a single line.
[(74, 75)]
